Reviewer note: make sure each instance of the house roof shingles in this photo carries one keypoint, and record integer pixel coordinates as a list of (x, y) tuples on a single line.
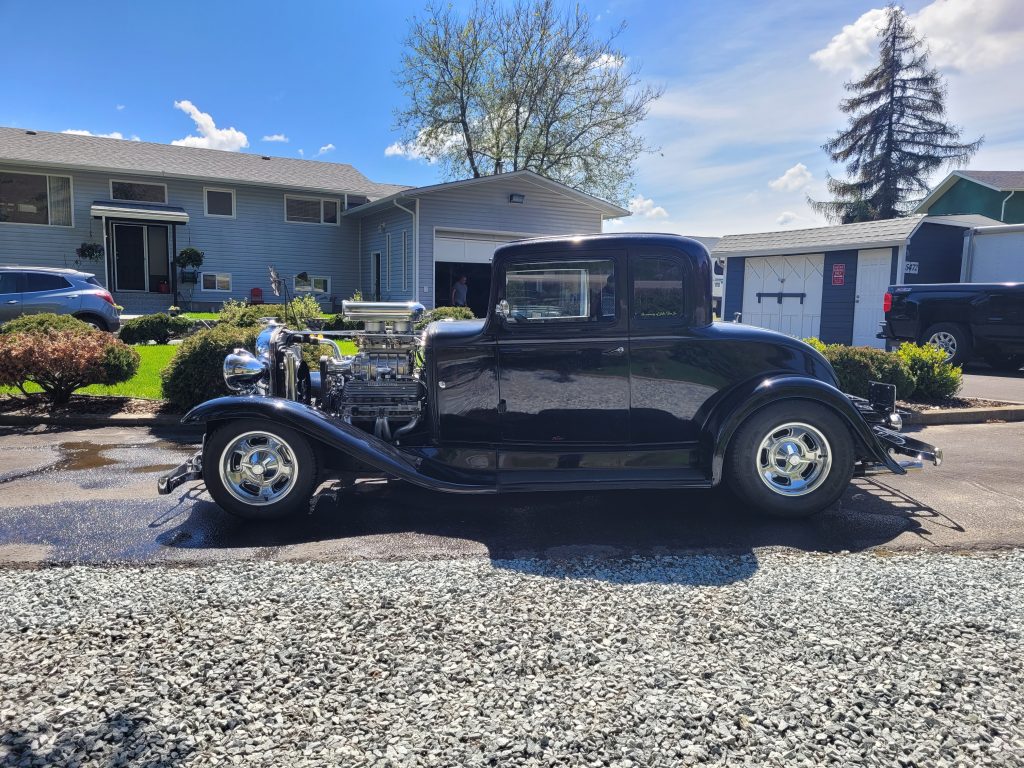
[(865, 234), (140, 157), (1003, 181)]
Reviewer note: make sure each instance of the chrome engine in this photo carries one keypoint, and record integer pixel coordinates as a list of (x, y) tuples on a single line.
[(377, 389)]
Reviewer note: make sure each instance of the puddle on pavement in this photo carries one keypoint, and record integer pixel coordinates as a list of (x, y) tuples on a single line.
[(84, 455), (153, 468)]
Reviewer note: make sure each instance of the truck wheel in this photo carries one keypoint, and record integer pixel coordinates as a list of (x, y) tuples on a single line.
[(952, 339), (1000, 362), (792, 459), (259, 471)]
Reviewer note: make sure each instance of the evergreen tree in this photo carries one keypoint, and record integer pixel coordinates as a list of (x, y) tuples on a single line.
[(897, 134)]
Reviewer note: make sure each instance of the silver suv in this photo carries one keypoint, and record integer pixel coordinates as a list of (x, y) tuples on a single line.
[(33, 290)]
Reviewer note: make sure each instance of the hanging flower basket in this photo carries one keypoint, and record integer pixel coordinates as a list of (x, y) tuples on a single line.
[(88, 252)]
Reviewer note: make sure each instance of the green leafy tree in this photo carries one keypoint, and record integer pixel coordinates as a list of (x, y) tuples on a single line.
[(897, 134), (523, 85)]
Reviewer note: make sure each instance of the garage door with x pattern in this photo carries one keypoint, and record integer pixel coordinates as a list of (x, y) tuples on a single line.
[(783, 293)]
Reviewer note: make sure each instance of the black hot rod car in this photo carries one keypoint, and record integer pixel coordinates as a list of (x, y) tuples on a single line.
[(598, 367)]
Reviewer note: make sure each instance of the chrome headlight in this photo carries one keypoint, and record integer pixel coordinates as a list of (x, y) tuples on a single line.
[(263, 340), (243, 371)]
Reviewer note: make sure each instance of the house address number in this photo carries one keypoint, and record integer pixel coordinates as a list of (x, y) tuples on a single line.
[(911, 267)]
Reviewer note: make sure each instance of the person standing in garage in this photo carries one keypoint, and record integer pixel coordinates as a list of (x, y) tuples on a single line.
[(460, 292)]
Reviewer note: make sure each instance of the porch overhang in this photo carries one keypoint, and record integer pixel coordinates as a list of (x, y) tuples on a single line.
[(165, 214)]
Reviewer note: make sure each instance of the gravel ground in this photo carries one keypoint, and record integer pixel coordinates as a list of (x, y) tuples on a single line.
[(782, 659)]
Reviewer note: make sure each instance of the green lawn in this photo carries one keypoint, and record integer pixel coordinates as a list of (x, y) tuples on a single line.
[(202, 315), (145, 383)]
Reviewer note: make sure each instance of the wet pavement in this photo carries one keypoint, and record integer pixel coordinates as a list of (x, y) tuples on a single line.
[(90, 496)]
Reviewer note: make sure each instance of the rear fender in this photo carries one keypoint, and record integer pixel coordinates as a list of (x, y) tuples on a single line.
[(332, 434), (752, 396)]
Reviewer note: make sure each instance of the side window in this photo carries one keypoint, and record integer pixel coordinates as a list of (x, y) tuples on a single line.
[(36, 282), (658, 288), (561, 291), (8, 282)]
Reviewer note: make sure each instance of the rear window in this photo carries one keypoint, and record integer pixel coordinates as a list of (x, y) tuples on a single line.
[(93, 281), (36, 282)]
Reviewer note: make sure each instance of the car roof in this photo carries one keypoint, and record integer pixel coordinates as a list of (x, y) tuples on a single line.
[(51, 270), (624, 240)]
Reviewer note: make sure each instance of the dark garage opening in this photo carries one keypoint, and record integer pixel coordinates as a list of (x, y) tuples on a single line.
[(478, 278)]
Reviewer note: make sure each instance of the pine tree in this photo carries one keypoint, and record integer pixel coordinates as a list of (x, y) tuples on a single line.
[(897, 134)]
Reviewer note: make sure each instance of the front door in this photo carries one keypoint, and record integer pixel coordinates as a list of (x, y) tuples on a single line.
[(131, 265), (563, 349), (874, 269)]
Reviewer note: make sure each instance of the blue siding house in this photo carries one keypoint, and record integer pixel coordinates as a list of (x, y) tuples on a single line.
[(325, 227)]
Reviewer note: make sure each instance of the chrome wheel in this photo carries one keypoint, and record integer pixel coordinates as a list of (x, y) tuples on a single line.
[(258, 468), (794, 459), (945, 341)]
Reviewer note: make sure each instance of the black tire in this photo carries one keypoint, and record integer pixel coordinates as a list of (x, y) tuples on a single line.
[(961, 346), (1009, 363), (94, 321), (304, 463), (744, 458)]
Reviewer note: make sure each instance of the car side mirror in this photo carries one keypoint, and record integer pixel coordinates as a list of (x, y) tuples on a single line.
[(503, 310)]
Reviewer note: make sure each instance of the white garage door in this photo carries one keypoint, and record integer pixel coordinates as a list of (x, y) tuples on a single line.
[(797, 311), (467, 247)]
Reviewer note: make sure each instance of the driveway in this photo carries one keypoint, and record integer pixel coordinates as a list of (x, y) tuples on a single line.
[(988, 384), (89, 496)]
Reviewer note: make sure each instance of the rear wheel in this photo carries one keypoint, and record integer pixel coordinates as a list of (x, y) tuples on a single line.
[(792, 459), (92, 322), (952, 339), (259, 471)]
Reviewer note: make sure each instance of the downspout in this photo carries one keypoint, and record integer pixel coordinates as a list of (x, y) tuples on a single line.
[(1002, 211), (415, 246)]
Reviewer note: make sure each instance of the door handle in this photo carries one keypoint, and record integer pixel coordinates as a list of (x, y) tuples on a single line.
[(13, 301), (615, 352)]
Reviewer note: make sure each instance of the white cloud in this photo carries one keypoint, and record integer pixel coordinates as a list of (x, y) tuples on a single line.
[(962, 34), (786, 218), (119, 107), (644, 207), (411, 150), (276, 137), (325, 149), (111, 135), (608, 60), (210, 136), (793, 180), (302, 153)]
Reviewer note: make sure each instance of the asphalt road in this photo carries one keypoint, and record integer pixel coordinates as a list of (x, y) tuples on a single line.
[(981, 381), (89, 496)]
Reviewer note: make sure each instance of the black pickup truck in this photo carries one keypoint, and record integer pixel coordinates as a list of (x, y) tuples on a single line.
[(967, 320)]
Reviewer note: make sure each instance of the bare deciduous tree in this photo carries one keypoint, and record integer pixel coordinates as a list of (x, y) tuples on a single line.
[(523, 86)]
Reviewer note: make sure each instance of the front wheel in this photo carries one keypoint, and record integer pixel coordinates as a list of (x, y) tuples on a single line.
[(791, 459), (259, 471)]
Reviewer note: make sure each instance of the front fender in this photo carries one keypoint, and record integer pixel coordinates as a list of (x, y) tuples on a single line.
[(331, 433), (744, 400)]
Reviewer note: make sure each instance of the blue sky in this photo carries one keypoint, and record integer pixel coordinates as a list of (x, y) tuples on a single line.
[(750, 87)]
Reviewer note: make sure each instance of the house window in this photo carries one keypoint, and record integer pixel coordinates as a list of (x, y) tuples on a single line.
[(405, 260), (216, 281), (310, 210), (34, 198), (138, 192), (313, 284), (387, 273), (219, 202)]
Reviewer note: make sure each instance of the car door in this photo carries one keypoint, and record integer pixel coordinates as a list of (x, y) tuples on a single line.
[(10, 295), (47, 292), (563, 351), (672, 366), (998, 318)]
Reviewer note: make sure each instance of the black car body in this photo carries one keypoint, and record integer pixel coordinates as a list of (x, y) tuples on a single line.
[(967, 320), (599, 367)]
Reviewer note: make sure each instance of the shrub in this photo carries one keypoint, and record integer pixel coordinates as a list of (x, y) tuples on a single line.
[(61, 361), (445, 313), (817, 343), (936, 379), (301, 310), (159, 328), (855, 367), (196, 372), (339, 323), (45, 323), (246, 315)]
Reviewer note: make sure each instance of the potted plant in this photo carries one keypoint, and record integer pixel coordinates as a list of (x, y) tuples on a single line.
[(88, 252), (189, 260), (174, 311)]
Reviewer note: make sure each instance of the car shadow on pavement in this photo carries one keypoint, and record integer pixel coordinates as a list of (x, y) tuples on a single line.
[(551, 533)]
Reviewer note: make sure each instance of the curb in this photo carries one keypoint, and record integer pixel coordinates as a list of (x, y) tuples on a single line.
[(965, 415), (95, 420)]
